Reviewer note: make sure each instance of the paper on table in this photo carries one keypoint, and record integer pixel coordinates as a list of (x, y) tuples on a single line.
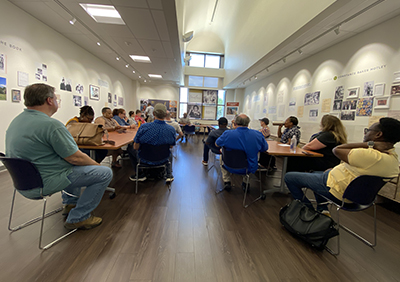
[(284, 145)]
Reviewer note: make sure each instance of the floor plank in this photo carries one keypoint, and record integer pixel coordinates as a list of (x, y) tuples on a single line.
[(189, 234)]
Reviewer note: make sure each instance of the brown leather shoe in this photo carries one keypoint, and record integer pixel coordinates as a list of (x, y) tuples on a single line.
[(67, 209), (91, 222)]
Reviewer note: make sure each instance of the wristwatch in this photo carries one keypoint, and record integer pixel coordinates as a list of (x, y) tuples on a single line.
[(371, 144)]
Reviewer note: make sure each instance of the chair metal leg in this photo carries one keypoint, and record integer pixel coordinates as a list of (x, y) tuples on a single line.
[(41, 230), (39, 218), (365, 241), (137, 177), (29, 222)]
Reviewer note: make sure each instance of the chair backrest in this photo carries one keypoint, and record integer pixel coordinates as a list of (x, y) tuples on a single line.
[(154, 153), (235, 159), (24, 174), (189, 128), (363, 189)]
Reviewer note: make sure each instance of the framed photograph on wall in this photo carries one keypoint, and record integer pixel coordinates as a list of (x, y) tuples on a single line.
[(382, 102), (395, 90), (94, 92), (16, 95), (379, 89), (352, 92)]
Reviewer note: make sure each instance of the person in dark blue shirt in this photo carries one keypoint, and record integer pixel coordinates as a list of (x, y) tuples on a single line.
[(153, 133), (212, 137), (120, 118), (242, 138)]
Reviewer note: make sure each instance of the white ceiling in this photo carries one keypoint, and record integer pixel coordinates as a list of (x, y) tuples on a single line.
[(254, 34)]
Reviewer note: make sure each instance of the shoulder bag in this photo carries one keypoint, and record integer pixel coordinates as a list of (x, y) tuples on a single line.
[(309, 225), (86, 133)]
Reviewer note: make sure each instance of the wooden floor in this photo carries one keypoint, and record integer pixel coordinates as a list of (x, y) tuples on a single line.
[(189, 234)]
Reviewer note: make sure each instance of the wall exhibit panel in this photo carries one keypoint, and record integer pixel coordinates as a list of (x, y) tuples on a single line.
[(351, 63), (28, 43)]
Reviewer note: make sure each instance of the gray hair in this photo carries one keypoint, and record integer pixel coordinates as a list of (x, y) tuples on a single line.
[(242, 120), (37, 94)]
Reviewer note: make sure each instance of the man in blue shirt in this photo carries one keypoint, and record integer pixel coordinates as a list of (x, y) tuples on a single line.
[(212, 137), (34, 136), (242, 138), (153, 133)]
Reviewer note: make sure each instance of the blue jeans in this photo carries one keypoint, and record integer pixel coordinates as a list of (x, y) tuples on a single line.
[(96, 179), (315, 181)]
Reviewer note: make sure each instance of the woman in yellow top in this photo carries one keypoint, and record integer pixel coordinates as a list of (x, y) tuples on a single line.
[(86, 115)]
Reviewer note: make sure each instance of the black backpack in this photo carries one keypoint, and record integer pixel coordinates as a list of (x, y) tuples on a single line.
[(307, 224)]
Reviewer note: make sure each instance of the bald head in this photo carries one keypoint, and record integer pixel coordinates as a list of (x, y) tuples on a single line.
[(242, 120)]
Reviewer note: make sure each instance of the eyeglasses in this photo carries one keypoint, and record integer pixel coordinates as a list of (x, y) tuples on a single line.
[(366, 130)]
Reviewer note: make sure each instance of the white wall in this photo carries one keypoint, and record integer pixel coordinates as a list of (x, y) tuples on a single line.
[(38, 44), (373, 55)]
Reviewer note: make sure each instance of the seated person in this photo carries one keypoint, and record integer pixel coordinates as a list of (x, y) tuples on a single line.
[(153, 133), (332, 134), (174, 124), (110, 124), (139, 118), (184, 121), (122, 120), (131, 119), (34, 136), (212, 137), (242, 138), (264, 127), (86, 115), (375, 156), (265, 159), (291, 130)]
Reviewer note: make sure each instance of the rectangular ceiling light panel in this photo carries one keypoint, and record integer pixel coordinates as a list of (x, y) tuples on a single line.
[(155, 75), (140, 59), (103, 13)]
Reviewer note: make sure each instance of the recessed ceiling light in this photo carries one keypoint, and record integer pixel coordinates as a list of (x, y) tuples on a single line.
[(140, 59), (103, 13), (127, 65), (133, 71), (98, 43), (117, 58), (145, 80), (73, 21), (140, 76), (155, 75)]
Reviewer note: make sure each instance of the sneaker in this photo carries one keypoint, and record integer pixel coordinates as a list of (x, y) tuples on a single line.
[(67, 209), (169, 179), (227, 186), (91, 222), (141, 177), (204, 163)]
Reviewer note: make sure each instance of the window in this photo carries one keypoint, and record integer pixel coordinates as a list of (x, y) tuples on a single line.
[(203, 81), (204, 60), (201, 104)]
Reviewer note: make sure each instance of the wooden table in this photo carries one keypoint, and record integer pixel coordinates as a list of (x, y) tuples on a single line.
[(121, 139), (277, 149)]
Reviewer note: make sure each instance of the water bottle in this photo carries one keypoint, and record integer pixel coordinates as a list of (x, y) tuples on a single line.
[(293, 144)]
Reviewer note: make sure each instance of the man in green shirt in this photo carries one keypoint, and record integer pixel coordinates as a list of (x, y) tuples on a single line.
[(34, 136)]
